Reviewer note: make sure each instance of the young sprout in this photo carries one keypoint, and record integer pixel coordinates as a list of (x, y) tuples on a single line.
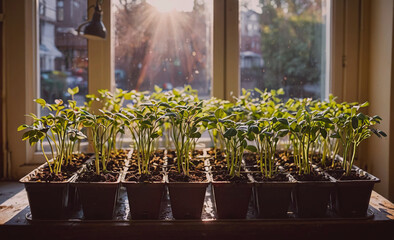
[(305, 129), (60, 130), (351, 129), (209, 107), (234, 135), (144, 123), (185, 118), (266, 134), (102, 128)]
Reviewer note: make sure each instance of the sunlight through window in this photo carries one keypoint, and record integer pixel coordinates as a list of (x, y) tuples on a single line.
[(168, 50)]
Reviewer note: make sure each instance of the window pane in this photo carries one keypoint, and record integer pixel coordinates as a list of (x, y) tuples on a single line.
[(63, 54), (165, 43), (283, 45)]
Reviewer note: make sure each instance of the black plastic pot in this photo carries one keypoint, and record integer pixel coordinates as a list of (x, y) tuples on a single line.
[(232, 199), (144, 199), (187, 199), (312, 198), (351, 197), (273, 198), (74, 203), (98, 199), (47, 200)]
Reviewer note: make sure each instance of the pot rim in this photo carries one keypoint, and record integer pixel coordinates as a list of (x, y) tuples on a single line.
[(26, 179), (203, 182)]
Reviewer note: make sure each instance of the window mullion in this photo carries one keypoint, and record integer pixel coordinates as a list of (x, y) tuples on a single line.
[(101, 55), (232, 77), (218, 83)]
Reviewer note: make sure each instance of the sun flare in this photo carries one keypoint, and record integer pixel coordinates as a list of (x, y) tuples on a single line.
[(168, 6)]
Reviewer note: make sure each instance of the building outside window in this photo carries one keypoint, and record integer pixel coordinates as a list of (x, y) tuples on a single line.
[(283, 45), (63, 54)]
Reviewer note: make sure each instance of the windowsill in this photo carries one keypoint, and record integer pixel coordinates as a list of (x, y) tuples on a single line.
[(14, 225)]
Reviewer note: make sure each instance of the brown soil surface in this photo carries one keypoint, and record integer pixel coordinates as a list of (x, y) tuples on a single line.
[(77, 161), (120, 154), (171, 157), (44, 175), (154, 169), (157, 158), (91, 176), (277, 177), (197, 153), (135, 177), (250, 158), (115, 165), (212, 152), (194, 176), (223, 176), (313, 176), (328, 165), (197, 164), (340, 175), (219, 162)]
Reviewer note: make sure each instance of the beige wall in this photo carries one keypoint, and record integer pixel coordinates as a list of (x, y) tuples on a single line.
[(380, 93), (15, 77)]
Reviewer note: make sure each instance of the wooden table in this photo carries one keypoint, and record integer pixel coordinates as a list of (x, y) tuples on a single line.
[(14, 225)]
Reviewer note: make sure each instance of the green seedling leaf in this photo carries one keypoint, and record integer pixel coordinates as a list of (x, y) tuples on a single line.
[(250, 136), (283, 121), (26, 135), (376, 117), (41, 101), (361, 116), (283, 132), (323, 132), (251, 148), (194, 129), (158, 89), (376, 132), (230, 133), (354, 122), (73, 91), (154, 135), (163, 104), (244, 143), (170, 114), (195, 135), (323, 119), (366, 104), (254, 129), (22, 127), (382, 133), (219, 113)]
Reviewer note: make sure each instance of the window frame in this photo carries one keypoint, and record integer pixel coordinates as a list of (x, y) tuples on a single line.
[(22, 158)]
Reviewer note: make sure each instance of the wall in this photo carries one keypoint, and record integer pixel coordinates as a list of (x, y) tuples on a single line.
[(380, 93), (18, 81)]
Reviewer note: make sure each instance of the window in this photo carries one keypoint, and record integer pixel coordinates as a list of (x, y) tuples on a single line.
[(164, 43), (63, 54), (286, 47), (208, 53), (60, 10)]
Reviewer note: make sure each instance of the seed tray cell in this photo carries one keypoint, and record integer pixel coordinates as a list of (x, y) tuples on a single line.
[(122, 212)]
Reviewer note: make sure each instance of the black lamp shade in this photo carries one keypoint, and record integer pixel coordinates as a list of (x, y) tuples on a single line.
[(95, 29)]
